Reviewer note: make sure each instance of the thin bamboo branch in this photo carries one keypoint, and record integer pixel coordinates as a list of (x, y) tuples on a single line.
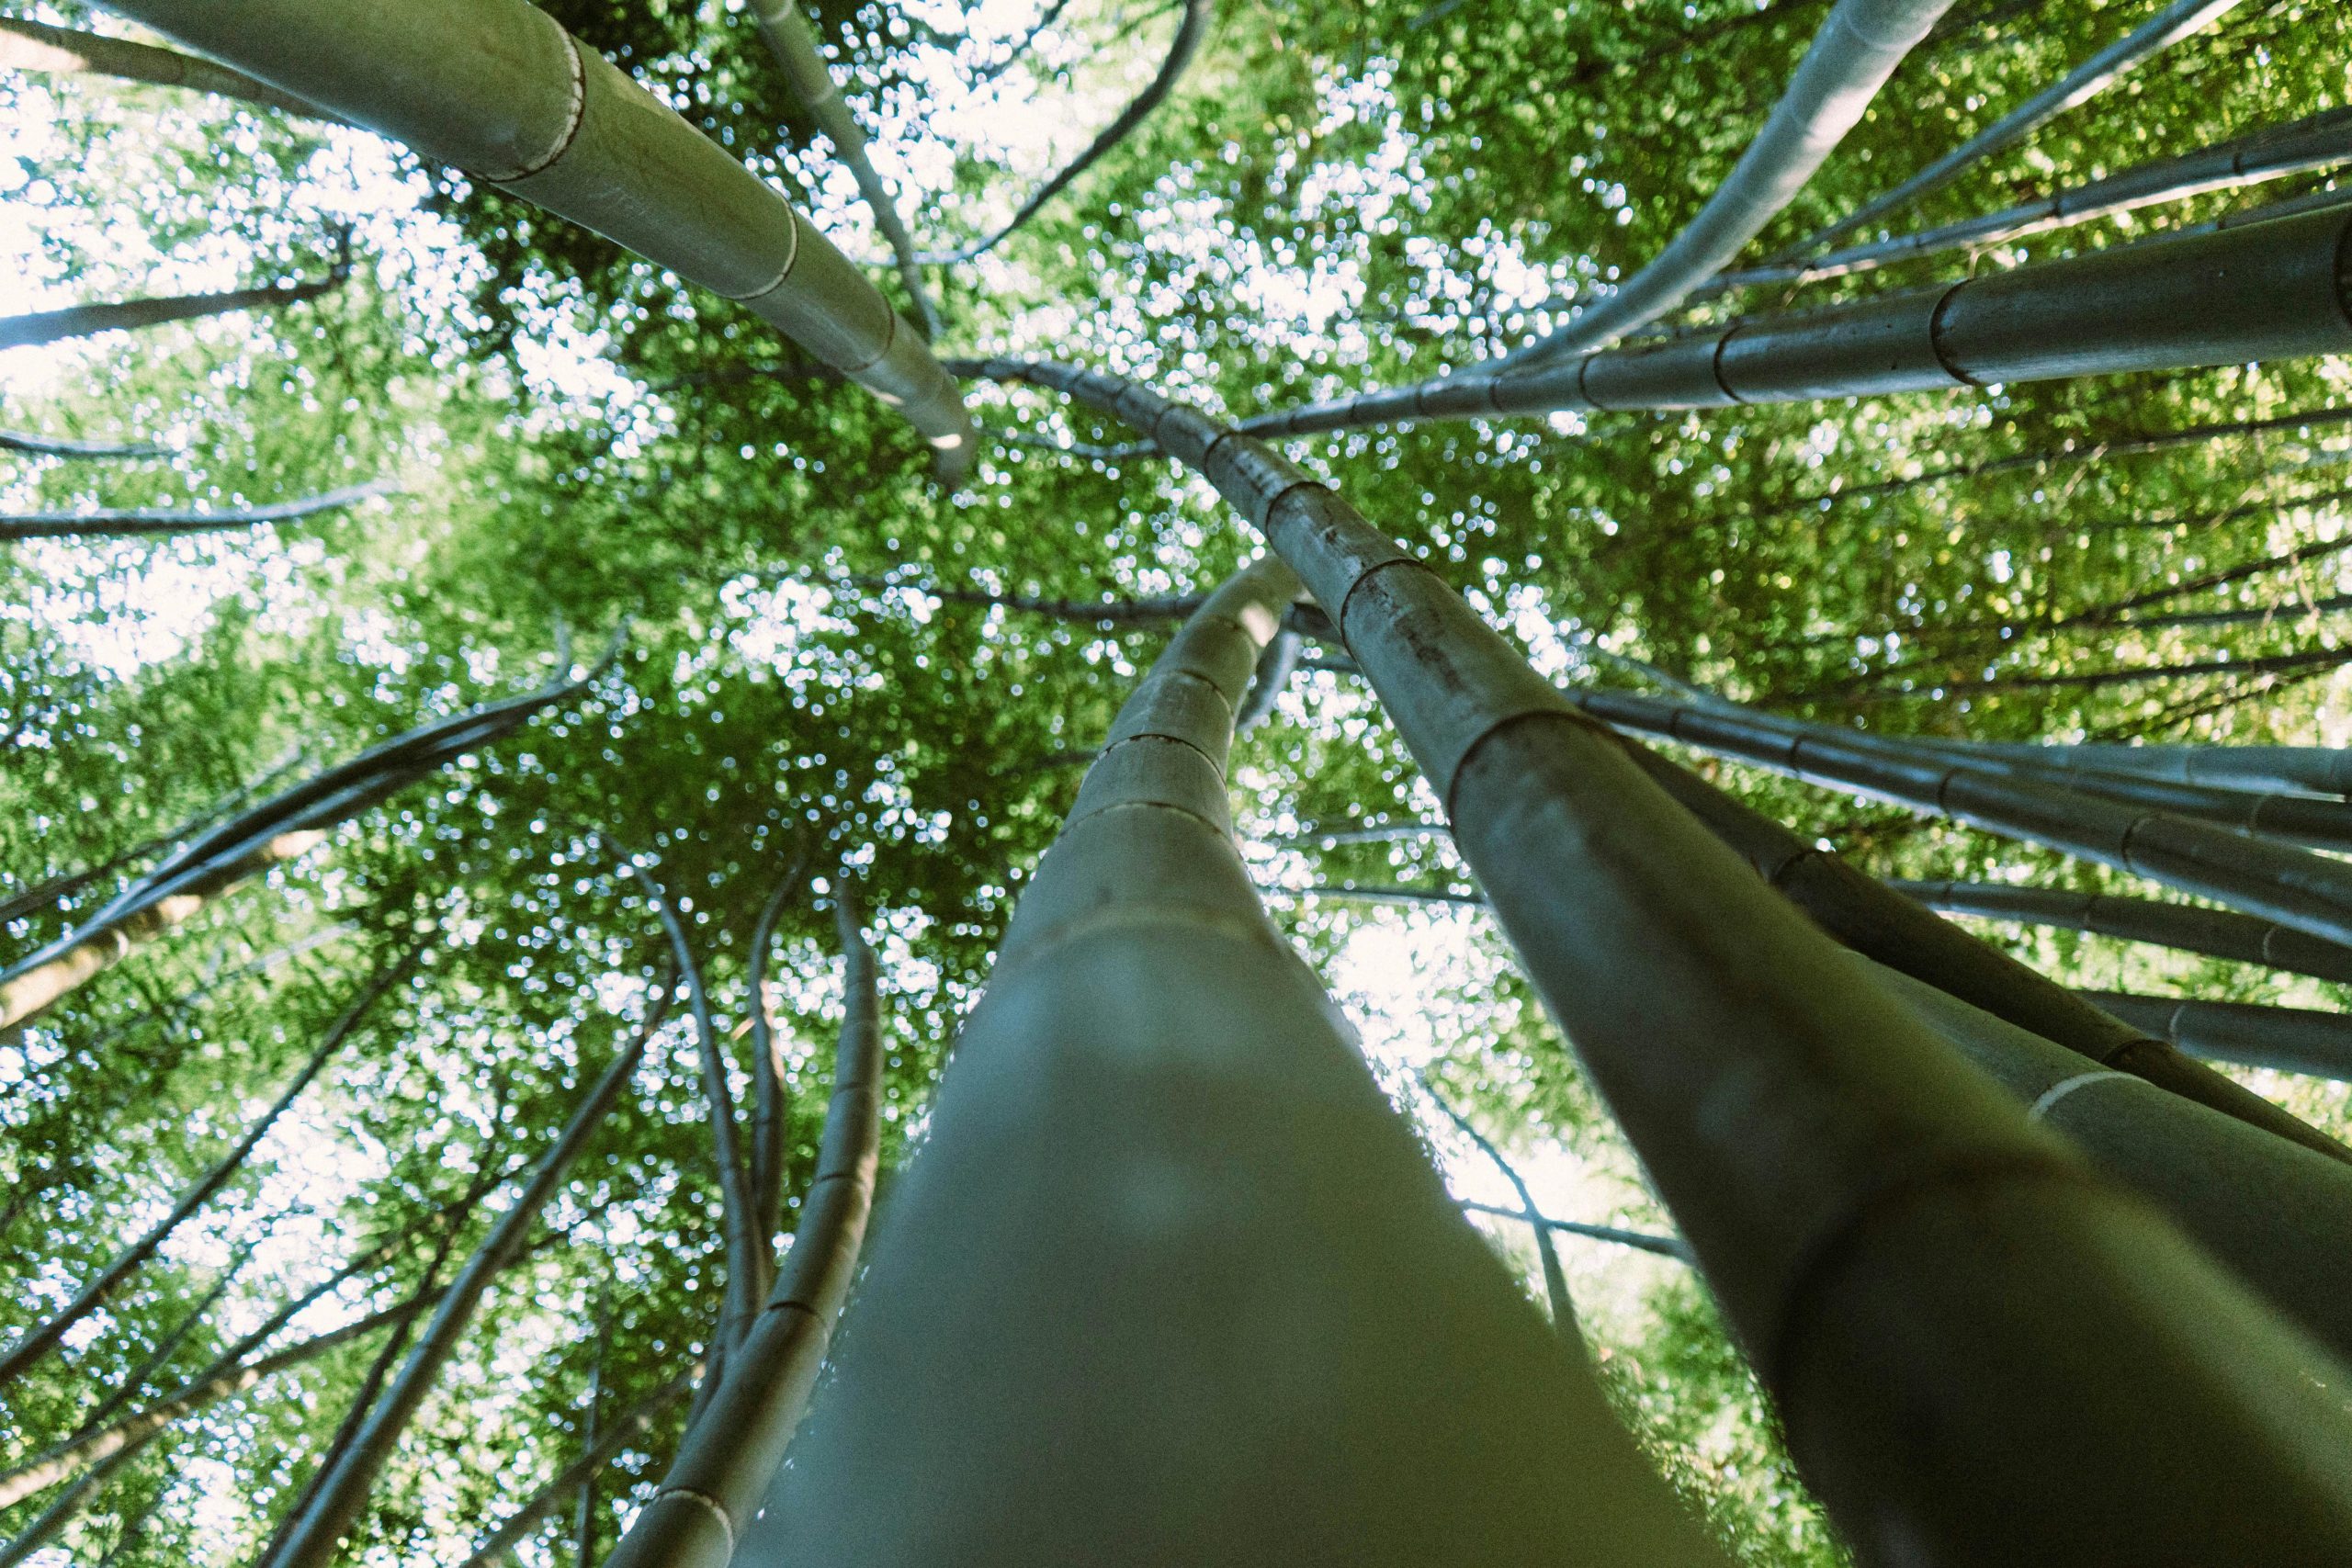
[(1191, 31), (1640, 1241), (2180, 19), (1555, 1278), (1046, 18), (794, 44), (59, 446), (1848, 60), (2100, 680), (499, 88), (27, 45), (129, 315), (140, 1377), (1851, 1186), (732, 1449), (38, 1341), (107, 522), (313, 1540), (1104, 612)]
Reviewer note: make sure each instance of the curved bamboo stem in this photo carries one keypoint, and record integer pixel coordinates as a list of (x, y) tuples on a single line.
[(1850, 60), (732, 1448), (1852, 1188), (499, 88), (1191, 31)]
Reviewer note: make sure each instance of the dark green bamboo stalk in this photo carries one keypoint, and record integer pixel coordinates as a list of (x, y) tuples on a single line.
[(129, 315), (1191, 30), (1855, 1191), (2159, 304), (41, 1339), (2307, 892), (1168, 1281), (2279, 1216), (1555, 1278), (114, 523), (35, 47), (2180, 19), (2287, 1040), (628, 1427), (500, 89), (2315, 142), (731, 1450), (315, 1538), (2217, 933)]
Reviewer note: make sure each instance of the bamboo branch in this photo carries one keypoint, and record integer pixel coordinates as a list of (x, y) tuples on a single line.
[(629, 1427), (1640, 1241), (129, 315), (106, 523), (1555, 1278), (59, 446), (1191, 31)]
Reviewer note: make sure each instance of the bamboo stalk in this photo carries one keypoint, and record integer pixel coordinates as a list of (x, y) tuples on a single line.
[(2180, 19), (2285, 1040), (1170, 1282), (794, 43), (35, 47), (129, 315), (59, 446), (767, 1078), (1854, 1190), (1275, 666), (38, 1341), (501, 90), (2278, 770), (626, 1429), (2315, 142), (2278, 1216), (105, 522), (1191, 30), (1848, 60), (314, 1540), (731, 1450), (2217, 933), (2157, 304)]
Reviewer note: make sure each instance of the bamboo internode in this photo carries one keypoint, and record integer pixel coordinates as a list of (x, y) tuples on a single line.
[(502, 91), (1852, 1188)]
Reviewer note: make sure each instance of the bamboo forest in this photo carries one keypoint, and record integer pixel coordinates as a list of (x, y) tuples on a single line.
[(1053, 782)]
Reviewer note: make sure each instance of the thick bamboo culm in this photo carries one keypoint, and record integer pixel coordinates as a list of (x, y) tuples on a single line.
[(2216, 933), (1850, 60), (2263, 291), (2305, 892), (2180, 19), (732, 1448), (794, 43), (2279, 1216), (502, 91), (2316, 141), (1983, 1352), (2285, 1040), (1168, 1281)]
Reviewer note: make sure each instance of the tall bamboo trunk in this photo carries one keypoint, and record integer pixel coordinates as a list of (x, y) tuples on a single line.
[(1981, 1351), (314, 1540), (500, 89), (2159, 304), (1168, 1281), (2217, 933), (732, 1448)]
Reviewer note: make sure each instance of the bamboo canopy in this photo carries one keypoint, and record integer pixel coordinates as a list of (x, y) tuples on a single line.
[(1159, 1177), (501, 90), (2262, 291), (1852, 1188)]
